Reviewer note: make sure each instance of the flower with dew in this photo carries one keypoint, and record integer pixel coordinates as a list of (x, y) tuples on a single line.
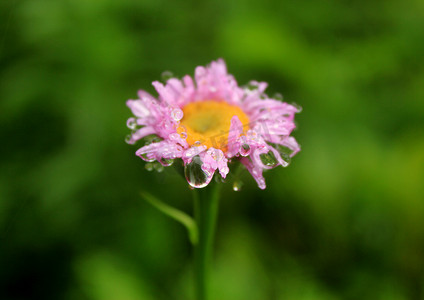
[(210, 121)]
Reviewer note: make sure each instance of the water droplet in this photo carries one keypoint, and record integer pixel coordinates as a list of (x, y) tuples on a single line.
[(174, 136), (177, 114), (197, 143), (167, 75), (284, 152), (182, 131), (128, 139), (132, 123), (146, 158), (149, 166), (150, 139), (244, 150), (299, 108), (158, 167), (166, 162), (251, 86), (278, 96), (219, 179), (268, 159), (237, 185), (194, 174)]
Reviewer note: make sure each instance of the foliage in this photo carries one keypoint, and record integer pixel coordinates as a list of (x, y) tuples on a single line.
[(344, 221)]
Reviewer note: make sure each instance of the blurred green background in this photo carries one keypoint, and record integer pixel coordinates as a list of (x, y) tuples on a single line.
[(344, 221)]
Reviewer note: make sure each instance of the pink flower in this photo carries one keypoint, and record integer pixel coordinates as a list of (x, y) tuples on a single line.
[(210, 122)]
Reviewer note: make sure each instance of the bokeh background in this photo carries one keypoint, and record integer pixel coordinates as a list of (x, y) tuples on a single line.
[(344, 221)]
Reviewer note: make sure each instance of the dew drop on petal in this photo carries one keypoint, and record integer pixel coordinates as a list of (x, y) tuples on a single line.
[(197, 143), (182, 131), (132, 123), (177, 114), (146, 158), (251, 86), (268, 159), (194, 174), (174, 136), (166, 162), (167, 75), (244, 150), (285, 153), (128, 139), (299, 108), (278, 96)]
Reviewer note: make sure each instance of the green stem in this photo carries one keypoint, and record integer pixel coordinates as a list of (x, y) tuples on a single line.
[(205, 211)]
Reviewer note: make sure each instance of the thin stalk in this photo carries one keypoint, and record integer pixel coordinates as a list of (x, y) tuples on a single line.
[(206, 202)]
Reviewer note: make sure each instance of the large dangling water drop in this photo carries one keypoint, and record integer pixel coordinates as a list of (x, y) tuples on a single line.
[(268, 159), (194, 174)]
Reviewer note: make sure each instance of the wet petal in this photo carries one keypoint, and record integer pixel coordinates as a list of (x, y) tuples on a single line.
[(255, 171), (236, 129)]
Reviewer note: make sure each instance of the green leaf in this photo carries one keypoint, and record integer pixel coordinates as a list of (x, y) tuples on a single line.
[(175, 214)]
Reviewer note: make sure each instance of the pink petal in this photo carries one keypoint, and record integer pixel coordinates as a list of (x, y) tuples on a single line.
[(255, 171)]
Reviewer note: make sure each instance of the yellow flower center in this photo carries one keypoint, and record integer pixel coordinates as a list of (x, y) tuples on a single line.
[(208, 122)]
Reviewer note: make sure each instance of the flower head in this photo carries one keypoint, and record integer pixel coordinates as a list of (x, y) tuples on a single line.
[(210, 121)]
